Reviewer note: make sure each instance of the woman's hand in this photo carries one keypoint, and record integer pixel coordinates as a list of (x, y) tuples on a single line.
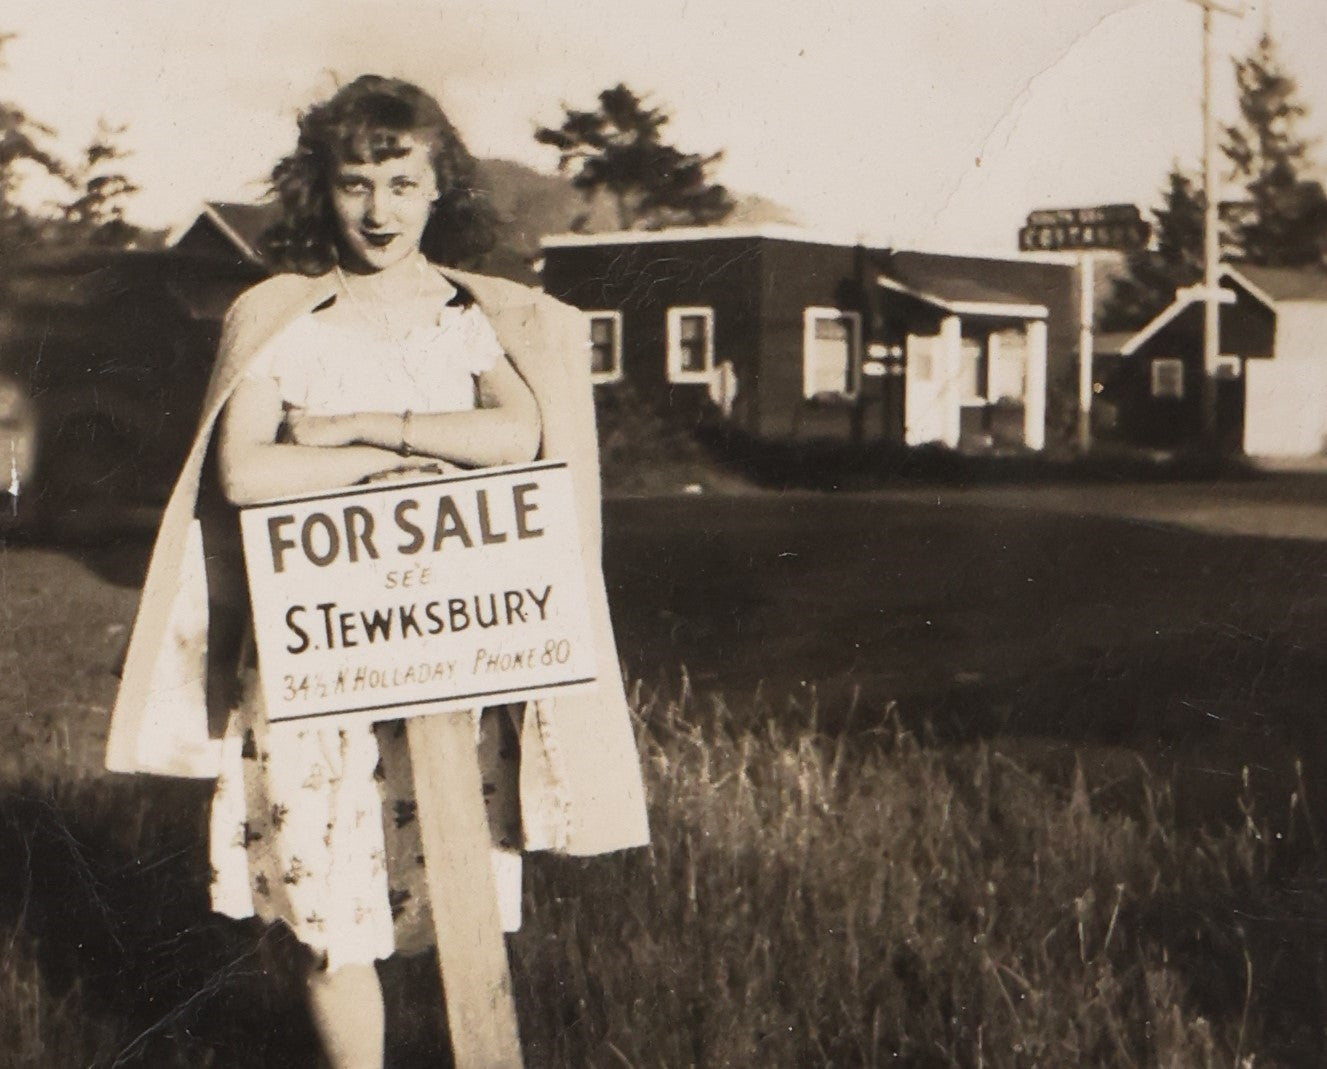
[(414, 468), (324, 431)]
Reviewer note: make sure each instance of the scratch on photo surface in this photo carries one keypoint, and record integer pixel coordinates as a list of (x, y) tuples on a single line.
[(214, 984), (750, 253), (1010, 116), (84, 871)]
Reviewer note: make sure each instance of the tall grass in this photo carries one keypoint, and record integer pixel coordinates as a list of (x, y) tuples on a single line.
[(868, 898)]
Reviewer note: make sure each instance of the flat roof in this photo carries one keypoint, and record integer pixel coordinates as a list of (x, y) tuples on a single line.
[(771, 231), (777, 232), (976, 302)]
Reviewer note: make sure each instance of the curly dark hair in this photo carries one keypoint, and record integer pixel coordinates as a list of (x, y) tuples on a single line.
[(365, 122)]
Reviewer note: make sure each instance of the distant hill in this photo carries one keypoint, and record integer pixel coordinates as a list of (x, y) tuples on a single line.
[(529, 204), (532, 205)]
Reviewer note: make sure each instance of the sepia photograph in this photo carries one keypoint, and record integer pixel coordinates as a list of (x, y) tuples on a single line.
[(673, 535)]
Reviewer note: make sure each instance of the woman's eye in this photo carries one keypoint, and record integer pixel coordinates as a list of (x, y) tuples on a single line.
[(351, 185)]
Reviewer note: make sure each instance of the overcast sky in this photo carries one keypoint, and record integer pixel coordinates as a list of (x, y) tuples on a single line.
[(929, 123)]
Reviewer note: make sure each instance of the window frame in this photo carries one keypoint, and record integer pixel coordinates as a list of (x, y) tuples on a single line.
[(1155, 373), (615, 317), (980, 397), (810, 315), (676, 373)]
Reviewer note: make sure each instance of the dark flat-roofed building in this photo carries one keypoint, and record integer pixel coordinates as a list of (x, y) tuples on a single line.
[(793, 336)]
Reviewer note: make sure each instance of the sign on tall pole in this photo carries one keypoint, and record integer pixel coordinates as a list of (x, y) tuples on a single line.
[(1106, 227), (1118, 227), (1211, 222)]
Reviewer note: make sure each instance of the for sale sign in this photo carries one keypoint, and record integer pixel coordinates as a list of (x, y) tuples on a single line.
[(420, 597)]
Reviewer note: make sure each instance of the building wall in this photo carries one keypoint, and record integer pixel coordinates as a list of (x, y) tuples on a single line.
[(1247, 331), (758, 289), (796, 276), (643, 281), (204, 239), (1287, 396)]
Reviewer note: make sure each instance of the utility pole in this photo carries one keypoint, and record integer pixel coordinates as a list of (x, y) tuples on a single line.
[(1211, 221), (1086, 314)]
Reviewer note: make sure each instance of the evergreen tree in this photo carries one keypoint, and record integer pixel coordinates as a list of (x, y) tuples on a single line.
[(95, 216), (1280, 220), (20, 144), (618, 149), (1284, 220), (1154, 274)]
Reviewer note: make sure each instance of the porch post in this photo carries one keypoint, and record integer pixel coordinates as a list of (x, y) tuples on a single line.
[(1034, 386), (951, 374)]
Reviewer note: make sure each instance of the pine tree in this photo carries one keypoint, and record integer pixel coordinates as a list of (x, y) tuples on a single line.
[(618, 149), (95, 216), (20, 143), (1155, 274), (1280, 221), (1284, 220)]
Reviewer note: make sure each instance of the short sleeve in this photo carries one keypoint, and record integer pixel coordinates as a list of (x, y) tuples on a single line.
[(288, 362), (482, 348)]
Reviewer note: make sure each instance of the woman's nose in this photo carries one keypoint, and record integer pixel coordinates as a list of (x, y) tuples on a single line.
[(375, 207)]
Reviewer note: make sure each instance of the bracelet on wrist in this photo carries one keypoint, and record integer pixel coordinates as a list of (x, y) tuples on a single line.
[(406, 449)]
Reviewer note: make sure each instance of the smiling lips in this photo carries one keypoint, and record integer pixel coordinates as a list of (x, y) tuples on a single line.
[(378, 241)]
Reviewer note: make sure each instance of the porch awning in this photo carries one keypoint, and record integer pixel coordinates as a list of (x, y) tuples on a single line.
[(995, 307)]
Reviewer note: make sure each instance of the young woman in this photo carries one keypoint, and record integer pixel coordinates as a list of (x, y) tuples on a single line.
[(365, 362)]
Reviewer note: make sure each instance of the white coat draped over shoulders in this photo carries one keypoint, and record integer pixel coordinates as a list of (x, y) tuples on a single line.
[(160, 720)]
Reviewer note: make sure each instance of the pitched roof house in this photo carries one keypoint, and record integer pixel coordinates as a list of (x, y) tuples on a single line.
[(226, 228), (1271, 373)]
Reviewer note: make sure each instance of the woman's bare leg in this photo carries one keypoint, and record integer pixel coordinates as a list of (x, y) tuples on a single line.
[(347, 1012)]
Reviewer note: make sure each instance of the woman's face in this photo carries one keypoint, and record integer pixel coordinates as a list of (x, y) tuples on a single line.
[(382, 208)]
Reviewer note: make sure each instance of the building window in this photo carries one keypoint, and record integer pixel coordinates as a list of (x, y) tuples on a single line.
[(973, 372), (605, 345), (690, 344), (831, 353), (1168, 378)]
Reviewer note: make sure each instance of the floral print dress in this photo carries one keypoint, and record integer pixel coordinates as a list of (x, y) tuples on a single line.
[(315, 826)]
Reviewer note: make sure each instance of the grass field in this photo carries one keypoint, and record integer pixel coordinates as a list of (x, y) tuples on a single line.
[(940, 785)]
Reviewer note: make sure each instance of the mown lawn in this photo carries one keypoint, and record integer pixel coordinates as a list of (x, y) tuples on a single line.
[(1054, 631)]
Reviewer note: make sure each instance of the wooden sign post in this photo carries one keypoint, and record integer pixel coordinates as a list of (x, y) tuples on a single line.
[(425, 600), (1118, 227), (1086, 345), (472, 954)]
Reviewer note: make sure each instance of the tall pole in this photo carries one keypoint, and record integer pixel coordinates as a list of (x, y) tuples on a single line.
[(1211, 222), (1086, 302), (1211, 241)]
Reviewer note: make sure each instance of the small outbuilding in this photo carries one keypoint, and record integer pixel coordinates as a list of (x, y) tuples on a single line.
[(790, 336), (226, 228), (1271, 375)]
